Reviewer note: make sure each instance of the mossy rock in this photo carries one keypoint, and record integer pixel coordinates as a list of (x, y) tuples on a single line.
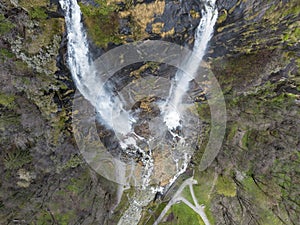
[(101, 22), (5, 25), (7, 100)]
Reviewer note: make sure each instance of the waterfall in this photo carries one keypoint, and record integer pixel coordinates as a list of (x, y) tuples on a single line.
[(110, 107), (171, 108), (88, 82)]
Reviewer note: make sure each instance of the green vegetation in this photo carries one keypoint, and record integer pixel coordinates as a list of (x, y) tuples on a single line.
[(65, 218), (73, 162), (204, 111), (263, 202), (44, 218), (36, 8), (38, 13), (5, 25), (103, 9), (292, 35), (222, 16), (8, 121), (16, 158), (232, 129), (71, 198), (7, 100), (187, 194), (278, 12), (102, 22), (151, 213), (182, 214), (245, 139), (226, 186), (204, 191), (33, 3), (4, 53)]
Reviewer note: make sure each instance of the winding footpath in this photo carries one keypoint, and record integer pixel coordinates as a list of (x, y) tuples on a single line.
[(179, 198)]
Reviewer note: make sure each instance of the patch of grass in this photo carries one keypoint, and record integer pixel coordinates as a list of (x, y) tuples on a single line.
[(232, 129), (102, 23), (187, 194), (5, 25), (16, 158), (44, 218), (291, 36), (182, 214), (4, 53), (204, 111), (262, 201), (204, 191), (27, 4), (73, 162), (37, 13), (226, 186)]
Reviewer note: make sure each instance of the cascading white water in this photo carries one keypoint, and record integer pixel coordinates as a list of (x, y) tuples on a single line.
[(182, 79), (110, 107), (84, 74), (89, 83)]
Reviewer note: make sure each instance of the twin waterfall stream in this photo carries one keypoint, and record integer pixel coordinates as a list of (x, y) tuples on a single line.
[(107, 104)]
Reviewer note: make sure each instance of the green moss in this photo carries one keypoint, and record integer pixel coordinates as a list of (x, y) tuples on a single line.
[(226, 186), (292, 35), (232, 129), (5, 25), (37, 13), (27, 4), (204, 111), (102, 23), (44, 218), (65, 218), (4, 53), (73, 162), (278, 12), (7, 100), (222, 16)]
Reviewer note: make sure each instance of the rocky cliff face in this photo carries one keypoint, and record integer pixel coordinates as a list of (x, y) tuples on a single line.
[(255, 56), (44, 179)]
